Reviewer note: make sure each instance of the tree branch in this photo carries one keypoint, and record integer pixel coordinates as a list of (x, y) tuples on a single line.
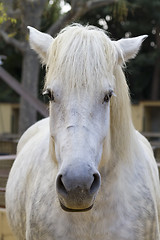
[(14, 13), (62, 22), (79, 8), (98, 3), (12, 41)]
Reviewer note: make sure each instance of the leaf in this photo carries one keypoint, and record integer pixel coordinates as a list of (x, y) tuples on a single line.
[(4, 17)]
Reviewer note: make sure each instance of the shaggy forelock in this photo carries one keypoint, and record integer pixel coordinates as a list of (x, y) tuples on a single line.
[(81, 57)]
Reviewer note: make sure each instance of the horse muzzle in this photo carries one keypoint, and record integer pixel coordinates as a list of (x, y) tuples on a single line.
[(77, 189)]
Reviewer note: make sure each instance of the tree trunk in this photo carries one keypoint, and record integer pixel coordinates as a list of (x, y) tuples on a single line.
[(31, 12), (156, 75), (30, 77), (156, 81)]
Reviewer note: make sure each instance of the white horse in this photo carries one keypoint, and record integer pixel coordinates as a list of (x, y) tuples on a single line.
[(84, 172)]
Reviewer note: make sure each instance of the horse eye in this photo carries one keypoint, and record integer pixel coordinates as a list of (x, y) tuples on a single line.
[(108, 96), (49, 94)]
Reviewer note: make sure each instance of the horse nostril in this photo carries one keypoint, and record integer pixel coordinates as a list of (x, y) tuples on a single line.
[(65, 186), (95, 184), (60, 186)]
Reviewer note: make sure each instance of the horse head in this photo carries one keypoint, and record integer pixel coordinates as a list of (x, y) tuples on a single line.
[(81, 86)]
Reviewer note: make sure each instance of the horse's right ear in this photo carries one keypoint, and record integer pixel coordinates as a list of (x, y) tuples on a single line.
[(40, 42), (128, 47)]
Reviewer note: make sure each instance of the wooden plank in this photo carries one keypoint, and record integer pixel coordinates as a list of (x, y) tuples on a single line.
[(155, 144), (7, 157), (151, 134), (2, 206), (15, 85), (4, 173), (2, 189)]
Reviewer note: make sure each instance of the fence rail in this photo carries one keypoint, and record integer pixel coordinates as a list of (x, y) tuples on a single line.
[(6, 162), (7, 157)]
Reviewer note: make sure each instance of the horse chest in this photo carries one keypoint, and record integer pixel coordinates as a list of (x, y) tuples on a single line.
[(108, 220), (96, 224)]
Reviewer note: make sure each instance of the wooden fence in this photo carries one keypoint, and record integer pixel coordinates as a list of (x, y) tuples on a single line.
[(6, 162)]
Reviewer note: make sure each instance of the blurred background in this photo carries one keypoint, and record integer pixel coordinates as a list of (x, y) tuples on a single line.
[(22, 78)]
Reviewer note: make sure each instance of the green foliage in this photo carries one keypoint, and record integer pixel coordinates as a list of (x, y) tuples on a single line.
[(119, 10), (50, 15), (4, 17)]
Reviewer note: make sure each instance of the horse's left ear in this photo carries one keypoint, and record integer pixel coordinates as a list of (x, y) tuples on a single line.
[(40, 43), (129, 47)]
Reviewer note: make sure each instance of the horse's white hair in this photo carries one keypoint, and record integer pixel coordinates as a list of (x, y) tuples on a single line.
[(81, 56)]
